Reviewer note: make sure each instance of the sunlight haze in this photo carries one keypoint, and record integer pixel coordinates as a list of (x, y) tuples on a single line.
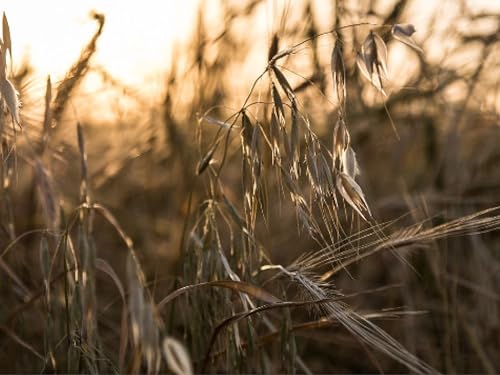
[(136, 40)]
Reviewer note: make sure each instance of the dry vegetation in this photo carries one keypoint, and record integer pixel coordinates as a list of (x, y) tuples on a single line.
[(228, 227)]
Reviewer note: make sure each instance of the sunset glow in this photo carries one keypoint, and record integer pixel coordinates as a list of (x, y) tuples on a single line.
[(136, 41)]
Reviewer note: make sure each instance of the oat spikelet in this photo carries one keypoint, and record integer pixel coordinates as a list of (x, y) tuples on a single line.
[(341, 138), (352, 194), (350, 164), (338, 72), (177, 357), (7, 90), (372, 61), (11, 98), (403, 33)]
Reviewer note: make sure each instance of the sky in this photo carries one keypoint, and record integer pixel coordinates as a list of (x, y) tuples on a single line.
[(136, 39)]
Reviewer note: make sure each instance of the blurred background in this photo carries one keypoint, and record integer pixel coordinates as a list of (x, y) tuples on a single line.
[(139, 80)]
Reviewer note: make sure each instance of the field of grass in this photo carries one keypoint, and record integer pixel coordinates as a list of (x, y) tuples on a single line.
[(325, 199)]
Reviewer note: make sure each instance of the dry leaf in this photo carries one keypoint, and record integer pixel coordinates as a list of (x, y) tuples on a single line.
[(295, 142)]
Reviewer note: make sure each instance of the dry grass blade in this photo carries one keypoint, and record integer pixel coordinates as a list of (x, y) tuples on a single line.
[(255, 148), (47, 118), (243, 315), (105, 267), (206, 160), (83, 164), (21, 342), (136, 302), (144, 323), (331, 321), (236, 217), (295, 141), (313, 171), (177, 357), (17, 280), (381, 51), (237, 286), (44, 257), (217, 122), (47, 195), (45, 267), (112, 220)]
